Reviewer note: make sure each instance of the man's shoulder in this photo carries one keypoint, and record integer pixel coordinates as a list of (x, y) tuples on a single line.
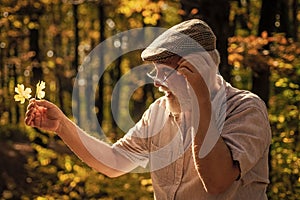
[(243, 99)]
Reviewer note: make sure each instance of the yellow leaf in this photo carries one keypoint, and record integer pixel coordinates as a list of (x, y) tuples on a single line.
[(22, 94), (39, 89)]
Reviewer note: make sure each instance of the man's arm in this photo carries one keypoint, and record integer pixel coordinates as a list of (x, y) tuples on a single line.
[(217, 170), (97, 154)]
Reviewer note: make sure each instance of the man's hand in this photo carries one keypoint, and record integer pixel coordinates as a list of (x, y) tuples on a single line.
[(44, 115), (195, 80)]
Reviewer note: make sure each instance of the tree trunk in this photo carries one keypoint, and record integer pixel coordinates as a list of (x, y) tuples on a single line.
[(273, 18), (76, 62), (99, 102), (260, 79), (37, 73), (17, 108), (295, 20), (268, 23), (2, 97), (59, 71), (115, 75), (267, 17)]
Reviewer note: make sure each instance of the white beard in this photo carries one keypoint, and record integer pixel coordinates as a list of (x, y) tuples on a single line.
[(175, 104)]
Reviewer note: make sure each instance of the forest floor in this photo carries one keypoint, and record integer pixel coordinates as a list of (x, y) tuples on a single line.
[(42, 167), (13, 159), (15, 153)]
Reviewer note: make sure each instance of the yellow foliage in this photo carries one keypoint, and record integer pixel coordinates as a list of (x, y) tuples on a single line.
[(150, 13), (281, 118), (17, 24), (145, 182)]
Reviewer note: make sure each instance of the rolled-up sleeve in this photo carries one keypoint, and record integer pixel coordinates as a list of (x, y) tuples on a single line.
[(247, 133), (136, 142), (133, 148)]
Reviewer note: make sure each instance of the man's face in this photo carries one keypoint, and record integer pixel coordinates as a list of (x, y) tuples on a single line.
[(172, 84)]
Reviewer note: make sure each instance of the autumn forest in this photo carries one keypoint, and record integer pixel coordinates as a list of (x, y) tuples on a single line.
[(45, 44)]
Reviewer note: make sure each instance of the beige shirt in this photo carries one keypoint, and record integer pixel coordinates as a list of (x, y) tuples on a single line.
[(161, 143)]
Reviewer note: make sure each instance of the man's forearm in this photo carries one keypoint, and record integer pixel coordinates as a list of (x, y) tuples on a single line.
[(97, 154), (216, 169)]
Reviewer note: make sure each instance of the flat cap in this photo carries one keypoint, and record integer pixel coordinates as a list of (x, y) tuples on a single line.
[(184, 38)]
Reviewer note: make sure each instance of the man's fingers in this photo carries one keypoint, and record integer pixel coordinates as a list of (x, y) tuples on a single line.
[(32, 100), (31, 105), (184, 71), (41, 109), (181, 61), (36, 121), (34, 114), (188, 65), (28, 120), (29, 115)]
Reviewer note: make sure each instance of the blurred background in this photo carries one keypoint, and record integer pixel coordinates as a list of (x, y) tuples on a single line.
[(49, 40)]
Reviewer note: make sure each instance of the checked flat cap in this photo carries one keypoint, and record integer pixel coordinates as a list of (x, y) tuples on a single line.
[(184, 38)]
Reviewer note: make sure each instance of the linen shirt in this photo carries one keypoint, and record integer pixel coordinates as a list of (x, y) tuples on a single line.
[(161, 143)]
